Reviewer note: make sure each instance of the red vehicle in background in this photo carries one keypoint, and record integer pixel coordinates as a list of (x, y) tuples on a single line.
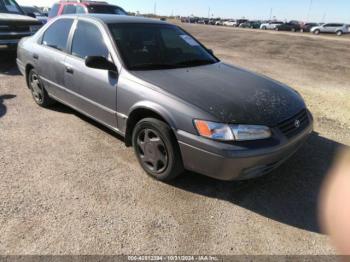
[(84, 7)]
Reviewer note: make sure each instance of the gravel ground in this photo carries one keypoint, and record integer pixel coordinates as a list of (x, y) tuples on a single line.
[(69, 186)]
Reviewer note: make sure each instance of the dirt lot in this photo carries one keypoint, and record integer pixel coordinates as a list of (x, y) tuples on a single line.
[(69, 186)]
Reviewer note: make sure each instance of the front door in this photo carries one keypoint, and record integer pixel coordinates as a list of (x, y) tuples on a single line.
[(96, 89)]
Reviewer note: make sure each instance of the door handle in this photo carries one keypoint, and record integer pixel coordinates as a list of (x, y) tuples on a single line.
[(69, 70), (35, 56)]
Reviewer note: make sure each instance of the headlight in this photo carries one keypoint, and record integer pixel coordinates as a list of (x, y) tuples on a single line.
[(214, 131), (225, 132), (34, 28), (250, 132)]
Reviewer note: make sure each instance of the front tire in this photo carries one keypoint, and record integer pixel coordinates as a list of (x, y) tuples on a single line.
[(339, 33), (38, 91), (157, 150), (317, 32)]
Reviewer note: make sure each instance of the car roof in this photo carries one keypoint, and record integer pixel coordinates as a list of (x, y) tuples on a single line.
[(110, 19)]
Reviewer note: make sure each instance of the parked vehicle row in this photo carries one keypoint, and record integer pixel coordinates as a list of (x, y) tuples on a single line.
[(292, 26)]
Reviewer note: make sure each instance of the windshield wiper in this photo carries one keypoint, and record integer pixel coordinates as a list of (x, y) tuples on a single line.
[(195, 62)]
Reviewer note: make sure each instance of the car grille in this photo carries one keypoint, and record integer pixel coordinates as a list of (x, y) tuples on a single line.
[(14, 29), (295, 125), (13, 37)]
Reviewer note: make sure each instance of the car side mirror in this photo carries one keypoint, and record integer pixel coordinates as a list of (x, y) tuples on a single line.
[(100, 62), (211, 51)]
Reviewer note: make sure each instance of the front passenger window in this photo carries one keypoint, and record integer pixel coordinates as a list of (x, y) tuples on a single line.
[(88, 41)]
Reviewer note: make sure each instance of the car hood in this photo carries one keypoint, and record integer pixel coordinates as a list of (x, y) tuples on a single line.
[(17, 19), (231, 94)]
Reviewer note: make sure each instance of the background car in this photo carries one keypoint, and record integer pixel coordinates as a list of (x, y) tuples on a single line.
[(89, 7), (203, 21), (251, 24), (230, 23), (307, 27), (14, 24), (270, 25), (294, 27), (241, 21), (219, 23), (30, 10), (331, 28)]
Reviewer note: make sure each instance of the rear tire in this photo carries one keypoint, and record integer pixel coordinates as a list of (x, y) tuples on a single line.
[(157, 150), (38, 90), (339, 33)]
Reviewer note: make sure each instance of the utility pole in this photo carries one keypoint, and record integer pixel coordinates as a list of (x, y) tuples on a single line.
[(209, 13), (271, 13), (155, 8), (309, 11), (324, 18)]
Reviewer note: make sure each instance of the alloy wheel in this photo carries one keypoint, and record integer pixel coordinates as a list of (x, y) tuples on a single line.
[(36, 88), (152, 151)]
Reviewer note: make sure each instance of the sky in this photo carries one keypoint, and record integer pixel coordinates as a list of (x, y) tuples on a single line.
[(303, 10)]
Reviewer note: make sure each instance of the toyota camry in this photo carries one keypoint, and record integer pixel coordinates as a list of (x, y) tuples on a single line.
[(169, 96)]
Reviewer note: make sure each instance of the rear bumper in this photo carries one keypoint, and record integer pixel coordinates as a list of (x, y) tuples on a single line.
[(231, 162)]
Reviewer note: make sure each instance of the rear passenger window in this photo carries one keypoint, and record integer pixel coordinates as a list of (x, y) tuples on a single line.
[(88, 41), (69, 9), (54, 10), (56, 35)]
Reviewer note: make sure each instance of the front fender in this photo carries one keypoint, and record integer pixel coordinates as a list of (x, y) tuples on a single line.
[(156, 108)]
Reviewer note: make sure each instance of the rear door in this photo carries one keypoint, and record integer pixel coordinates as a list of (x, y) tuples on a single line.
[(50, 57), (96, 89)]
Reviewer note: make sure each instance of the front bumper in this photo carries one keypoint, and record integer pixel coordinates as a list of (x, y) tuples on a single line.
[(238, 161)]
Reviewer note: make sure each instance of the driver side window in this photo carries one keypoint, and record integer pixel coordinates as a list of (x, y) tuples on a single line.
[(88, 41)]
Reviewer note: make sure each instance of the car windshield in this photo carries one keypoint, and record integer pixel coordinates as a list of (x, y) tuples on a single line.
[(157, 46), (29, 9), (106, 9), (10, 6)]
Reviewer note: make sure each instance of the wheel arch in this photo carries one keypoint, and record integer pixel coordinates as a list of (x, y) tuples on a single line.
[(27, 70), (145, 110)]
